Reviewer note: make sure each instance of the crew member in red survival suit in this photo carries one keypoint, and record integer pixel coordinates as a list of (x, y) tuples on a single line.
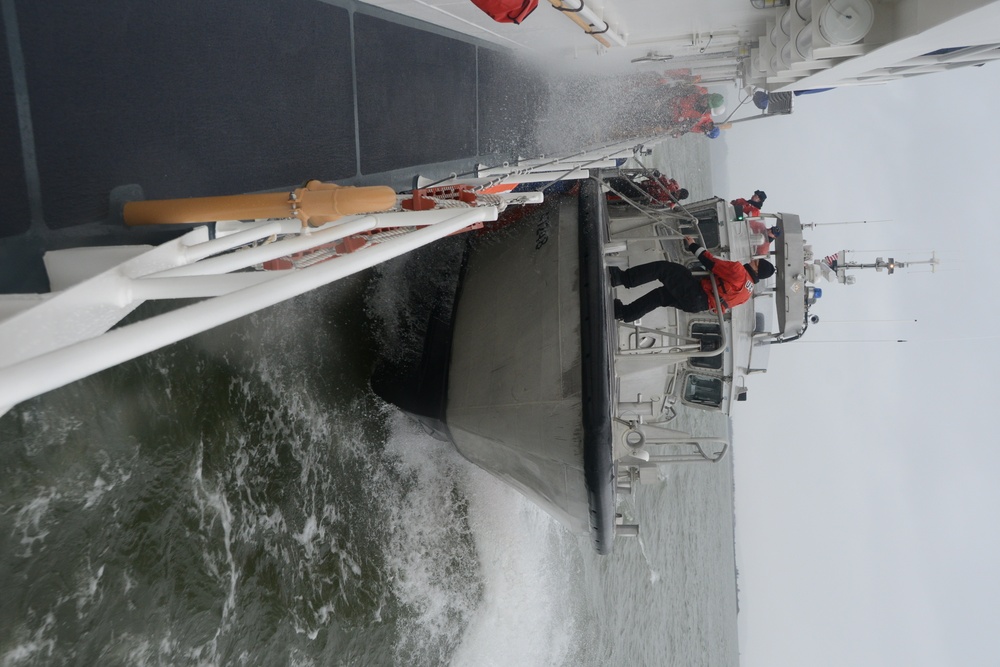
[(750, 208), (664, 190), (655, 187), (682, 289), (693, 113)]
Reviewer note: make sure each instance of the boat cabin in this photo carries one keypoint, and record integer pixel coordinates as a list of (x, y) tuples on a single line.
[(670, 364)]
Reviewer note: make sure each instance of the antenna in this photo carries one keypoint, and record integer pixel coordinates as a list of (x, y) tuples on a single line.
[(814, 225), (867, 321), (837, 265), (875, 340), (891, 264)]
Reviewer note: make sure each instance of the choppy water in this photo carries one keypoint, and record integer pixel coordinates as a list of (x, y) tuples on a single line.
[(242, 498)]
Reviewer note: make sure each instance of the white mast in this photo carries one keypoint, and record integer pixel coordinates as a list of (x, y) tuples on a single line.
[(835, 267)]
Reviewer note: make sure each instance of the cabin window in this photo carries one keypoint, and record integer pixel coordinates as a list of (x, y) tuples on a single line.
[(708, 224), (703, 390), (710, 337)]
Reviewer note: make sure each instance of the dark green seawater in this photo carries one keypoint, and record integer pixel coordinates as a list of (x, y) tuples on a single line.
[(227, 500)]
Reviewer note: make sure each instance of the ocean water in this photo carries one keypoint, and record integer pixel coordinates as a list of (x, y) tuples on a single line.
[(242, 498)]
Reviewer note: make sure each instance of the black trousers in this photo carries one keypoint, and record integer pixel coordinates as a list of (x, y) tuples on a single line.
[(681, 289)]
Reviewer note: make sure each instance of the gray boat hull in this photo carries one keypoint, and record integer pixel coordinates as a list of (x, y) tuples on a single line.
[(527, 399)]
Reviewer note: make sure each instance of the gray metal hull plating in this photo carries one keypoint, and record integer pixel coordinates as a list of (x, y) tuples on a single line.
[(514, 391)]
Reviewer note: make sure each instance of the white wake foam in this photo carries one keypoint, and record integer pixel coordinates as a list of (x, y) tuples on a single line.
[(522, 612)]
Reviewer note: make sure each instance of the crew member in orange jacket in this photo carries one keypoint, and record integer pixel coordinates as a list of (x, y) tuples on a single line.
[(656, 189), (664, 190), (705, 125), (682, 289), (691, 107), (750, 208)]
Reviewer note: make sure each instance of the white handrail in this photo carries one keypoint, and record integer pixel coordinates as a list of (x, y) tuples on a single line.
[(264, 253), (199, 251), (196, 287), (50, 370)]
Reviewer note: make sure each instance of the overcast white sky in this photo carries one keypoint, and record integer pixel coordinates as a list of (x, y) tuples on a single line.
[(867, 494)]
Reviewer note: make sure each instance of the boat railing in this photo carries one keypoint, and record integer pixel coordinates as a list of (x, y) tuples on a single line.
[(696, 451), (64, 336), (674, 347), (571, 166), (649, 207), (684, 347), (669, 446), (675, 447), (649, 216), (636, 331)]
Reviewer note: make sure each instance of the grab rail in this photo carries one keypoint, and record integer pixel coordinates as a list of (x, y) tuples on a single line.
[(38, 364), (587, 19)]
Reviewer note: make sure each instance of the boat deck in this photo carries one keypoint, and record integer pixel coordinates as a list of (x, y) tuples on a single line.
[(102, 103)]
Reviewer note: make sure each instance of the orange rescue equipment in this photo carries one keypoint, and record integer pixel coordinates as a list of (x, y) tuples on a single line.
[(315, 204)]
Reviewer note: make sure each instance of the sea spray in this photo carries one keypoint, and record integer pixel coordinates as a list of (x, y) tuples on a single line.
[(528, 614)]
